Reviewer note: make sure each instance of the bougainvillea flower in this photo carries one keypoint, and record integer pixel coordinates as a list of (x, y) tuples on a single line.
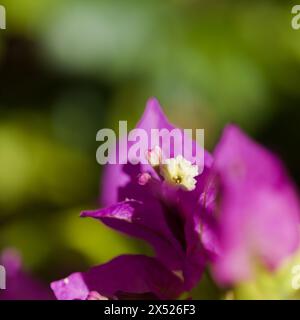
[(123, 278), (19, 285), (239, 211), (161, 203), (258, 208)]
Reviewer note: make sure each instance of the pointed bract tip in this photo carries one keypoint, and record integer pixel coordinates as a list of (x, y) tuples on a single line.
[(231, 134), (154, 106), (232, 128), (153, 116)]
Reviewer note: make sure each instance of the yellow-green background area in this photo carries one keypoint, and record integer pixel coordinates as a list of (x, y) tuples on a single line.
[(71, 67)]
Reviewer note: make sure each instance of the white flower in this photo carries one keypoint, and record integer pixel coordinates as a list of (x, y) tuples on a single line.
[(179, 172)]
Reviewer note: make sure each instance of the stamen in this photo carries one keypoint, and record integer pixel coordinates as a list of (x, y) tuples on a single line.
[(177, 179)]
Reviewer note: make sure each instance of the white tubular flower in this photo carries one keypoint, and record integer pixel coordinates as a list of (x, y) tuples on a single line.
[(154, 156)]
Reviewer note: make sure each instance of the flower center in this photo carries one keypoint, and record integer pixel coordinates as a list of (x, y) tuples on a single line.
[(177, 179)]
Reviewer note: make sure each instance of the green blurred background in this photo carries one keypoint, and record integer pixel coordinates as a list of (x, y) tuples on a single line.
[(71, 67)]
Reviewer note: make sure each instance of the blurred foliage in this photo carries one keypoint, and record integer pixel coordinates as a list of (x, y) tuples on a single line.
[(271, 286), (70, 67)]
